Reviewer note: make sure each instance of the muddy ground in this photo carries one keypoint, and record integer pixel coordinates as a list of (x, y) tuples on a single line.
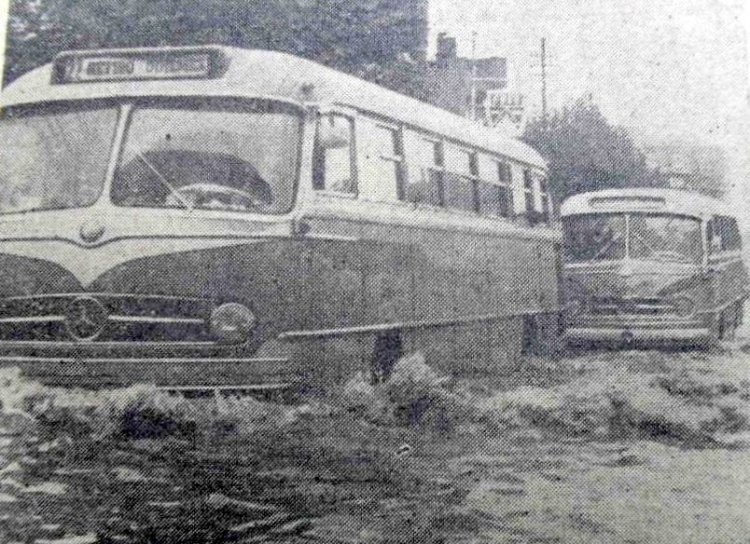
[(636, 446)]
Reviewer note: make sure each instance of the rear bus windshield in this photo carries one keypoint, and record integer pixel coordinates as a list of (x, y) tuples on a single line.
[(657, 237), (209, 157)]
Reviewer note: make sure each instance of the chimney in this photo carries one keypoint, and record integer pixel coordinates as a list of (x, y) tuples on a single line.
[(446, 50)]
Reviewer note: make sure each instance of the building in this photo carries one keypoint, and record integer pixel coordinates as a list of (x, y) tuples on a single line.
[(478, 88), (451, 78)]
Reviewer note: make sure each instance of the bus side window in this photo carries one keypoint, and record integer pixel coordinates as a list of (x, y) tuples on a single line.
[(381, 160), (735, 240), (494, 187), (424, 183), (727, 234), (716, 241), (460, 177), (546, 200), (333, 167), (528, 191)]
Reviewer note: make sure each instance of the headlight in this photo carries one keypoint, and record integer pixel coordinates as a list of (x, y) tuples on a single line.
[(232, 323), (684, 307)]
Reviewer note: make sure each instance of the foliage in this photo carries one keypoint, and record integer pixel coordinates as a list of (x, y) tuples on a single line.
[(373, 38), (586, 153)]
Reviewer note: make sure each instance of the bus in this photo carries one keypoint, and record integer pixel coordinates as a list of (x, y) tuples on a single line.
[(651, 265), (242, 217)]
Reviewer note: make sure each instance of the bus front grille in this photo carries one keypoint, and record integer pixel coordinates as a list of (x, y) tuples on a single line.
[(100, 317)]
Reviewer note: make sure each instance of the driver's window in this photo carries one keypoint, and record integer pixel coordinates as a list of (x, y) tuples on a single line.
[(333, 168)]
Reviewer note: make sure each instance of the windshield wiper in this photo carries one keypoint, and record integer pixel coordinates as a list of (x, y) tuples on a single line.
[(164, 181)]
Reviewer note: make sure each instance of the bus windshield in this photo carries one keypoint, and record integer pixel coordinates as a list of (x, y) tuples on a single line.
[(52, 158), (210, 158), (594, 237), (666, 238), (656, 237)]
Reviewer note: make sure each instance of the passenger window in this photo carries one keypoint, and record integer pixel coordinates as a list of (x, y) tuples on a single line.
[(382, 161), (494, 191), (332, 168), (544, 193), (528, 190), (460, 176), (424, 183)]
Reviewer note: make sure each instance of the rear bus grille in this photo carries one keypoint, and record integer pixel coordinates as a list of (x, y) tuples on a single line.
[(104, 318), (631, 306)]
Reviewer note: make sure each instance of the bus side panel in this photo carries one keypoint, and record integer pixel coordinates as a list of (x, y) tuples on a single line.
[(728, 282)]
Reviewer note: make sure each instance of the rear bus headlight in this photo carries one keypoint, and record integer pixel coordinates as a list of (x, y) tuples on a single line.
[(684, 307), (232, 323)]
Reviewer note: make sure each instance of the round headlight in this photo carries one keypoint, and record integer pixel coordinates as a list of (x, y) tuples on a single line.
[(684, 307), (232, 323)]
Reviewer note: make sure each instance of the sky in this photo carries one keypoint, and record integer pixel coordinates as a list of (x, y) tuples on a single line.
[(665, 69)]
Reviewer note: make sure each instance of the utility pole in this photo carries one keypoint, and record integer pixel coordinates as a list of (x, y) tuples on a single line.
[(544, 82), (473, 112)]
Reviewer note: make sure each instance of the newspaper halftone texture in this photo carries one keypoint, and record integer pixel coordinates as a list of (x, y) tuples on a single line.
[(374, 271)]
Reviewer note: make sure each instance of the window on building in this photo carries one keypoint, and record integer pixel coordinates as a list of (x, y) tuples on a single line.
[(424, 183), (333, 167)]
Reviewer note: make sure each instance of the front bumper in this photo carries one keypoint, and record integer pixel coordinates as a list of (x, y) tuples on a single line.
[(637, 328), (169, 364), (580, 334)]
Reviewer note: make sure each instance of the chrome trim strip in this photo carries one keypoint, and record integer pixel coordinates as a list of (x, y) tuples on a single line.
[(40, 344), (156, 319), (381, 327), (137, 360), (32, 319), (102, 294)]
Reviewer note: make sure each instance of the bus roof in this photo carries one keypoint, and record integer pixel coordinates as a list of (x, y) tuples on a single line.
[(673, 201), (270, 74)]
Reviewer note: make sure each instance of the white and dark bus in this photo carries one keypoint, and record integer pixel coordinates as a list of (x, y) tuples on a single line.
[(229, 217), (652, 265)]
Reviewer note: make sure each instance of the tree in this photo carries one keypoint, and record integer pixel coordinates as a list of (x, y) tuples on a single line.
[(585, 152), (371, 38)]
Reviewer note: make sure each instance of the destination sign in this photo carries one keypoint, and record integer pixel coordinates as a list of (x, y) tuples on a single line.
[(177, 65)]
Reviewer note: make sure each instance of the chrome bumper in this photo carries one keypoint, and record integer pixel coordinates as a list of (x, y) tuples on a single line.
[(168, 372), (636, 334)]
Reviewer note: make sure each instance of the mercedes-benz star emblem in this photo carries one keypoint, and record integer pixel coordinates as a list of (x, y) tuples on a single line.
[(91, 231), (85, 318)]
